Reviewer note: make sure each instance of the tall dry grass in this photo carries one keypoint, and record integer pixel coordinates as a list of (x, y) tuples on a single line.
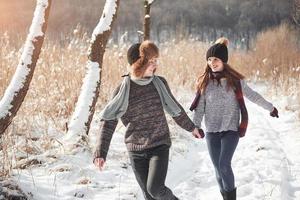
[(56, 84), (276, 55)]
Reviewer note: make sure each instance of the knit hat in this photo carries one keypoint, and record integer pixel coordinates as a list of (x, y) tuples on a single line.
[(219, 50), (133, 53)]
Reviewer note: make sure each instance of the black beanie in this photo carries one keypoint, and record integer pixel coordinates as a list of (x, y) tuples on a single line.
[(133, 53), (219, 51)]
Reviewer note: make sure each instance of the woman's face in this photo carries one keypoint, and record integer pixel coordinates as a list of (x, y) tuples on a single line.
[(151, 67), (215, 64)]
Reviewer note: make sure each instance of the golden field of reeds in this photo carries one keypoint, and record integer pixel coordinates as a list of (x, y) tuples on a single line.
[(275, 57), (55, 87)]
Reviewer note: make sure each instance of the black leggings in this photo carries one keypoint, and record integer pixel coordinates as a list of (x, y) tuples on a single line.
[(150, 167)]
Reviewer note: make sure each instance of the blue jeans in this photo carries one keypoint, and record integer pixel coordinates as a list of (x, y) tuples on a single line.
[(221, 147)]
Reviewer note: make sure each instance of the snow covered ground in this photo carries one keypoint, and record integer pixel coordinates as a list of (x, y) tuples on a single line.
[(266, 164)]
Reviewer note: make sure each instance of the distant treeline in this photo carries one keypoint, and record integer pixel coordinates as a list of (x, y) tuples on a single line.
[(239, 20)]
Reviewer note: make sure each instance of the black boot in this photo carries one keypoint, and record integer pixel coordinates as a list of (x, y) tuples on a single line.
[(230, 195)]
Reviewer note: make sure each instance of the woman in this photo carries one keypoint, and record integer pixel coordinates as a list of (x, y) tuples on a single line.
[(220, 99), (140, 102)]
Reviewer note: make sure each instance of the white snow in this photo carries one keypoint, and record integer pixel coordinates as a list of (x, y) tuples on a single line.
[(266, 163), (105, 22), (150, 1), (82, 109), (22, 70)]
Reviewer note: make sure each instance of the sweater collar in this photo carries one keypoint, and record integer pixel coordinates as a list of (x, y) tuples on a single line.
[(142, 81)]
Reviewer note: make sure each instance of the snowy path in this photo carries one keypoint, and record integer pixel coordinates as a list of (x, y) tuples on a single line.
[(266, 165), (263, 164)]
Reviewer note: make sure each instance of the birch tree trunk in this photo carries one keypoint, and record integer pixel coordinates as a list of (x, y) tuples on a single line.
[(79, 124), (16, 91)]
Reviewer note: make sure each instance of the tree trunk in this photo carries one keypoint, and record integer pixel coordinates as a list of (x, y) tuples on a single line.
[(147, 8), (15, 93), (296, 12), (85, 107), (248, 40)]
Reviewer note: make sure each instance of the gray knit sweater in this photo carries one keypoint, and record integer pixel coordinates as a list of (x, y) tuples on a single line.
[(144, 119), (220, 107)]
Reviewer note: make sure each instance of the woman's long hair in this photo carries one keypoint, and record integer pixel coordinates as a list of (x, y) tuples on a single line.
[(229, 73)]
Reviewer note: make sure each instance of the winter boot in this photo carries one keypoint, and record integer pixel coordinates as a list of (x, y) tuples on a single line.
[(230, 195)]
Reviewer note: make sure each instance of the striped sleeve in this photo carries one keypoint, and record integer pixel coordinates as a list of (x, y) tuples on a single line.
[(107, 128), (103, 141)]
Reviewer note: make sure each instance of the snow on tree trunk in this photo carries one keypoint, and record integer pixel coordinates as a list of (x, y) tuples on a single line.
[(79, 124), (16, 91)]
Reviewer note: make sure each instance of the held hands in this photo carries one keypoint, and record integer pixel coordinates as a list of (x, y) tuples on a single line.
[(198, 133), (99, 163), (274, 113)]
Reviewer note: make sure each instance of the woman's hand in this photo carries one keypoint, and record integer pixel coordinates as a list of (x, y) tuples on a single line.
[(99, 162), (198, 133)]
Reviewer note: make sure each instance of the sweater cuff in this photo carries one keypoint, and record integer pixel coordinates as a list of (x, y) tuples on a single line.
[(100, 154), (191, 127)]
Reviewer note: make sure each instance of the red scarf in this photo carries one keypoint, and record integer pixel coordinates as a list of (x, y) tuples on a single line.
[(240, 98)]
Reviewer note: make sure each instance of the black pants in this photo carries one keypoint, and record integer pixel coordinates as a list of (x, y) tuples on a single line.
[(150, 167)]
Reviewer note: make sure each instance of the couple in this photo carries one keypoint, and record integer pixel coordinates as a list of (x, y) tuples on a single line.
[(141, 99)]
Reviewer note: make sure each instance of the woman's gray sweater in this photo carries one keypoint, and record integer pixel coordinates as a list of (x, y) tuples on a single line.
[(220, 107)]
